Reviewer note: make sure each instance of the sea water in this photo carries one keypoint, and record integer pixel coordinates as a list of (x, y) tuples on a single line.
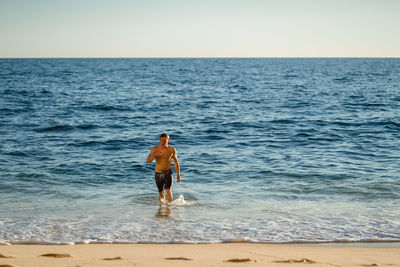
[(271, 150)]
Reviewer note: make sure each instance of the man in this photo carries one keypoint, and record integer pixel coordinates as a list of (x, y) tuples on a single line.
[(163, 154)]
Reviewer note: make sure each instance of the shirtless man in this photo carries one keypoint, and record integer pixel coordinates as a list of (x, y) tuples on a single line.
[(163, 154)]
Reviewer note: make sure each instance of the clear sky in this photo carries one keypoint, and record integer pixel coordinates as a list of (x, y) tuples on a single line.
[(202, 28)]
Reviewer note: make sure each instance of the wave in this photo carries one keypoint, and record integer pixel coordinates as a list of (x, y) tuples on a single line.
[(56, 128), (290, 76), (283, 121), (343, 80), (66, 128), (87, 126), (368, 123), (239, 87), (393, 243), (112, 144), (17, 153), (280, 230), (367, 105), (108, 108)]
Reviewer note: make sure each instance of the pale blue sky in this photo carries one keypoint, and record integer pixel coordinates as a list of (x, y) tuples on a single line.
[(188, 28)]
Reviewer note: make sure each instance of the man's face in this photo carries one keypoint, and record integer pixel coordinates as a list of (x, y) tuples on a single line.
[(164, 140)]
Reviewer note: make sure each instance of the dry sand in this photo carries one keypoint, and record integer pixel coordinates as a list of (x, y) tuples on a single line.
[(226, 254)]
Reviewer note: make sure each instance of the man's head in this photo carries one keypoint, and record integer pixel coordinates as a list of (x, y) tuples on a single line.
[(164, 139)]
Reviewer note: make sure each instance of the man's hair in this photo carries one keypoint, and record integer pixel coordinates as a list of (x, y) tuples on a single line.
[(164, 135)]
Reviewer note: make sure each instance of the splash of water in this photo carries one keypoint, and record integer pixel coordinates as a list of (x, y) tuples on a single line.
[(177, 202)]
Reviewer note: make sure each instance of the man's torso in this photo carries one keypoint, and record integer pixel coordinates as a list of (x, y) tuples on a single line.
[(163, 157)]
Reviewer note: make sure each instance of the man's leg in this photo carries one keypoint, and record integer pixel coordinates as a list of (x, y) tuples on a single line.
[(161, 195), (169, 195)]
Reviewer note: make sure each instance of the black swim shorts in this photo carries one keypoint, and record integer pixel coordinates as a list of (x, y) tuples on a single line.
[(163, 180)]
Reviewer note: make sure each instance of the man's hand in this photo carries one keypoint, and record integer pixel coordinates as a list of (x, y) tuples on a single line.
[(178, 178), (151, 156)]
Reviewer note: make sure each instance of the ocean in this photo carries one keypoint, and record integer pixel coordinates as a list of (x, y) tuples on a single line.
[(270, 149)]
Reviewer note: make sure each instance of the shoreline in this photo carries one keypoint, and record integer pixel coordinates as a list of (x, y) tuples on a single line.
[(362, 243), (217, 254)]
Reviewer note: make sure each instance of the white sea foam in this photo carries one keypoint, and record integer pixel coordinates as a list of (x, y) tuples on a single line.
[(178, 202), (118, 230)]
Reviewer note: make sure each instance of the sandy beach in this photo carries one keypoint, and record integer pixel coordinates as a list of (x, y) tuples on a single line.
[(229, 254)]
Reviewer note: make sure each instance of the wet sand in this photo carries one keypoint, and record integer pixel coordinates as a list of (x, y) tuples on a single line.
[(225, 254)]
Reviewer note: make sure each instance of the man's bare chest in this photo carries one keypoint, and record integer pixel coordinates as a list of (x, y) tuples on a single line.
[(163, 153)]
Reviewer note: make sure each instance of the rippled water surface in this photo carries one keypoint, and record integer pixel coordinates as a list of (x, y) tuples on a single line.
[(270, 149)]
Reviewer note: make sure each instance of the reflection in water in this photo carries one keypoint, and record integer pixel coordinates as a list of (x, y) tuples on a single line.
[(164, 211)]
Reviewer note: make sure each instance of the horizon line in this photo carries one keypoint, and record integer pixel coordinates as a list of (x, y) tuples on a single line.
[(222, 57)]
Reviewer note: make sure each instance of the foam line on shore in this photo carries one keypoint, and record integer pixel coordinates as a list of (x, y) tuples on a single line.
[(393, 242)]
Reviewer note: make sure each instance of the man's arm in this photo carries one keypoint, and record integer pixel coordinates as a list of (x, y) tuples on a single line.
[(151, 156), (176, 164)]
